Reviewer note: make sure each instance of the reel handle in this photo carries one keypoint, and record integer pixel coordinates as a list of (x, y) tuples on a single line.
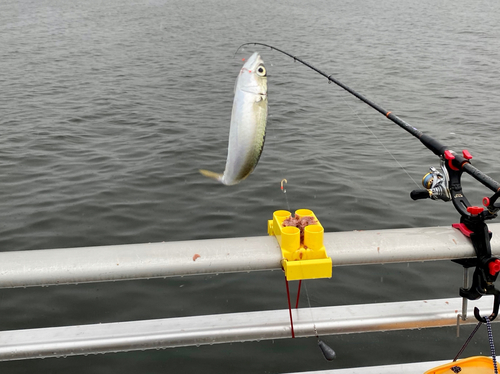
[(420, 194)]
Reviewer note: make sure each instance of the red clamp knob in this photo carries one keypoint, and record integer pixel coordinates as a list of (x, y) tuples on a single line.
[(494, 267), (466, 154), (450, 157), (475, 210), (463, 229)]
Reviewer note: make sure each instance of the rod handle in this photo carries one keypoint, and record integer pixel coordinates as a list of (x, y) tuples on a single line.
[(420, 194)]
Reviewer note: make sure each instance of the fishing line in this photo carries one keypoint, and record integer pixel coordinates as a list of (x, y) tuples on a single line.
[(461, 163), (380, 141), (330, 79), (310, 309), (327, 351), (406, 126), (283, 189)]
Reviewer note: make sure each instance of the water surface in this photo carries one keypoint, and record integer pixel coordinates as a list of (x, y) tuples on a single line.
[(108, 110)]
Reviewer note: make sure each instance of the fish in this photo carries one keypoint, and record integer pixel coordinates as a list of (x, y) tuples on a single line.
[(247, 131)]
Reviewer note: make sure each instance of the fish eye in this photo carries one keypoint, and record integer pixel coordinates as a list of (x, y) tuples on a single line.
[(261, 71)]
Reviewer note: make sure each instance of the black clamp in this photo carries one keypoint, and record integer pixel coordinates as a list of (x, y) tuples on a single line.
[(447, 186), (486, 267), (472, 224)]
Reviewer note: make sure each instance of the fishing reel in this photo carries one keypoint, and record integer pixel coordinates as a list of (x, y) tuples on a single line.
[(435, 184)]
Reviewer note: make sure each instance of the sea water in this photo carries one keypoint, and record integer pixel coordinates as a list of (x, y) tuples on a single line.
[(109, 108)]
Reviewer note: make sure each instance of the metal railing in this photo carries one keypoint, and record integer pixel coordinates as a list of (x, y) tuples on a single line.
[(138, 261), (229, 328), (154, 260)]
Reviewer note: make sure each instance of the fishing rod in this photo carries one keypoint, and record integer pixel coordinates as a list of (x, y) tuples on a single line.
[(446, 186), (460, 162)]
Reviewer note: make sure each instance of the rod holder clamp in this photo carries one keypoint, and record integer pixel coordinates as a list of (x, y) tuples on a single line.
[(487, 267)]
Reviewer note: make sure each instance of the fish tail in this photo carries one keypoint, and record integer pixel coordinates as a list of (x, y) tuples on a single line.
[(211, 174)]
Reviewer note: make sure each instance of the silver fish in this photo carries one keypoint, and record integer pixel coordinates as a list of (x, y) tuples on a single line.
[(248, 123)]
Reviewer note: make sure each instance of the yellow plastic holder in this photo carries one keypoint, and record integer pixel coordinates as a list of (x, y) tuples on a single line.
[(306, 260), (475, 364)]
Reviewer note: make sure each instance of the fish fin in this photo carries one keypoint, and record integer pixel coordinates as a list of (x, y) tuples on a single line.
[(211, 174)]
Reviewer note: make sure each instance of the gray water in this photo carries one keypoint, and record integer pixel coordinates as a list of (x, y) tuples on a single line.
[(109, 108)]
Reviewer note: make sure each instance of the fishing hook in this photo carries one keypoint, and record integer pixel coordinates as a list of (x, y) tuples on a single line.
[(282, 188)]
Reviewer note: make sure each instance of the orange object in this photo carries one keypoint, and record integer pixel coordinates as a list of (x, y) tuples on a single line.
[(470, 365)]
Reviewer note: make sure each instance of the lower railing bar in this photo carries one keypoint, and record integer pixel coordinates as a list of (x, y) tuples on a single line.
[(226, 328), (141, 261)]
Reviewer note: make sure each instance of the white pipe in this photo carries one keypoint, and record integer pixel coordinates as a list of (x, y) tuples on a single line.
[(139, 261), (236, 327)]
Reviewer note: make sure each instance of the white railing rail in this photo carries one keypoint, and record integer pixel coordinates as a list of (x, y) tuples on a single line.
[(144, 261), (138, 261), (228, 328)]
